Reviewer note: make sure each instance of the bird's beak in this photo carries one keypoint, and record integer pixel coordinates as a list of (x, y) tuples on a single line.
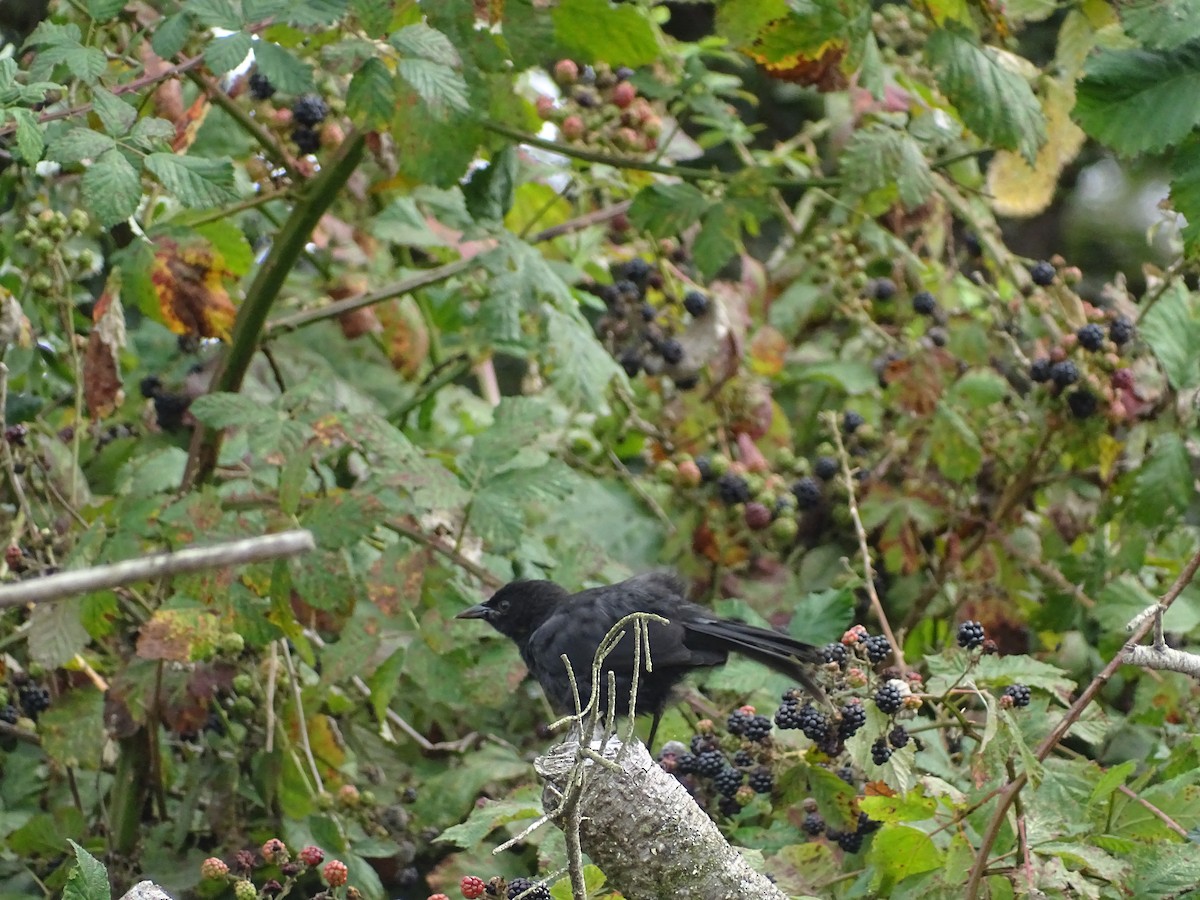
[(475, 612)]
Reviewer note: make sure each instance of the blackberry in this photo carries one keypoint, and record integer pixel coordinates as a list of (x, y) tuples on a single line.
[(624, 73), (732, 488), (728, 807), (762, 781), (1042, 273), (309, 110), (627, 290), (835, 652), (970, 635), (851, 421), (1039, 369), (1090, 336), (702, 742), (758, 729), (1082, 403), (742, 759), (1019, 693), (889, 699), (813, 824), (631, 362), (35, 699), (685, 764), (898, 737), (648, 312), (710, 763), (705, 466), (671, 351), (850, 841), (924, 303), (9, 714), (737, 722), (1120, 331), (261, 87), (807, 492), (825, 467), (306, 140), (519, 886), (880, 752), (813, 723), (636, 270), (687, 382), (1064, 372), (16, 434), (854, 717), (609, 294), (758, 516), (846, 774), (883, 289), (867, 825), (787, 717), (695, 303), (727, 781), (877, 647)]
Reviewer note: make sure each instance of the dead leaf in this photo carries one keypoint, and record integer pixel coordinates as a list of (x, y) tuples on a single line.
[(189, 283), (101, 361)]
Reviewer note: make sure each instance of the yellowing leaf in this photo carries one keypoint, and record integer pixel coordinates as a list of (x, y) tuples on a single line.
[(189, 283), (1110, 452)]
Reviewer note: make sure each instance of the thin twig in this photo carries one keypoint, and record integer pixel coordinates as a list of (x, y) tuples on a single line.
[(446, 550), (302, 723), (160, 565), (272, 678)]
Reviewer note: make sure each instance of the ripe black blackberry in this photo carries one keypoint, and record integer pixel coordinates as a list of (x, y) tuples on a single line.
[(970, 635), (883, 289), (636, 270), (898, 737), (306, 140), (1064, 372), (758, 729), (261, 87), (727, 781), (825, 467), (710, 763), (880, 752), (743, 759), (813, 824), (309, 110), (850, 841), (854, 717), (1042, 273), (686, 382), (728, 807), (889, 699), (648, 312), (704, 464), (924, 303), (685, 764), (1039, 369), (762, 781), (737, 721), (1120, 331), (788, 717), (695, 303), (835, 652), (814, 723), (9, 714), (34, 699), (851, 421), (671, 351), (1019, 693), (627, 290), (1090, 336), (846, 774), (631, 362), (528, 889), (1082, 402), (703, 742), (732, 488), (867, 825), (877, 647), (807, 491)]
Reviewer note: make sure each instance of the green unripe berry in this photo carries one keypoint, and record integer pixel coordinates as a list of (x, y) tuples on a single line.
[(79, 220), (785, 458), (25, 236), (58, 220), (666, 471), (754, 482), (44, 245), (786, 503), (41, 282), (784, 529), (718, 464), (243, 683), (243, 706), (368, 798), (231, 643), (245, 890)]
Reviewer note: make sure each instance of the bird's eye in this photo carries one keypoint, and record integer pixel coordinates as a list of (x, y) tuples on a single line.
[(502, 606)]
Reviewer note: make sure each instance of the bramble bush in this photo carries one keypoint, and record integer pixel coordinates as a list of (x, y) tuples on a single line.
[(475, 291)]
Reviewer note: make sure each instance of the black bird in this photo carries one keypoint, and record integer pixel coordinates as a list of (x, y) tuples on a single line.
[(546, 622)]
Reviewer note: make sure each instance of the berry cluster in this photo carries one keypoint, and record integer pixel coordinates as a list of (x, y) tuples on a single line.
[(600, 107), (308, 111), (706, 769), (527, 889), (274, 854)]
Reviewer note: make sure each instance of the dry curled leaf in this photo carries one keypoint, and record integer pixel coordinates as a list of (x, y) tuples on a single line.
[(101, 361)]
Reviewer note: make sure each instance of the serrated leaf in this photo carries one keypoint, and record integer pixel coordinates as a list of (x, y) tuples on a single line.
[(115, 114), (486, 817), (79, 144), (577, 363), (308, 13), (851, 377), (668, 209), (88, 880), (112, 188), (741, 21), (489, 191), (103, 10), (599, 30), (994, 102), (373, 17), (1172, 329), (718, 240), (72, 730), (225, 410), (60, 44), (55, 633), (151, 133), (822, 616), (237, 256), (30, 142), (338, 520), (1161, 24), (954, 445), (287, 73), (216, 14), (423, 42), (1163, 482), (980, 388), (371, 96), (1161, 869), (200, 183), (438, 85), (227, 52), (171, 34), (1140, 101), (878, 158)]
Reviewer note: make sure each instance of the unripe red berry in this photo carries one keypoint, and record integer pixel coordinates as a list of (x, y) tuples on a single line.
[(572, 128), (688, 474), (757, 516), (213, 868), (312, 856), (652, 127), (623, 95), (626, 138), (545, 107), (275, 851), (566, 71), (472, 887), (335, 873)]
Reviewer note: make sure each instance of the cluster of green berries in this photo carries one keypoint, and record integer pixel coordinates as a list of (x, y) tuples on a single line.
[(44, 234), (600, 107)]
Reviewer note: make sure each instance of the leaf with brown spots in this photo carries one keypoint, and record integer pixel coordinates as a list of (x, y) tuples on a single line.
[(189, 284), (179, 635), (101, 361)]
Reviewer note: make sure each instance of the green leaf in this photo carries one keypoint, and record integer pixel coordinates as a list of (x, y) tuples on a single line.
[(237, 256), (899, 851), (115, 114), (371, 96), (851, 377), (112, 188), (822, 616), (1161, 24), (171, 34), (1163, 482), (486, 817), (882, 158), (489, 192), (88, 880), (151, 134), (1185, 192), (994, 102), (72, 730), (79, 144), (954, 445), (216, 14), (373, 17), (55, 633), (308, 13), (226, 410), (1139, 101), (423, 42), (667, 209), (60, 45), (227, 52), (200, 183), (30, 142), (719, 238), (741, 21), (577, 364), (1161, 869), (287, 73), (438, 85), (593, 30), (980, 388), (1172, 329), (103, 10)]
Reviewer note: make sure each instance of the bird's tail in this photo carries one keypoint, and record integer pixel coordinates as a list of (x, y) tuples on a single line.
[(780, 652)]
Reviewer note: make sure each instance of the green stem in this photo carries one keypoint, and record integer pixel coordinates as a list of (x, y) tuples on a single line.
[(225, 212), (252, 316)]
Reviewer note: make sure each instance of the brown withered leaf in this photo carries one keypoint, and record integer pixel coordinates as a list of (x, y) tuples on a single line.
[(101, 361), (189, 283), (405, 334), (179, 635)]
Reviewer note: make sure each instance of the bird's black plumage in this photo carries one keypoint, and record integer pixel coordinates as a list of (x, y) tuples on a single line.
[(546, 622)]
